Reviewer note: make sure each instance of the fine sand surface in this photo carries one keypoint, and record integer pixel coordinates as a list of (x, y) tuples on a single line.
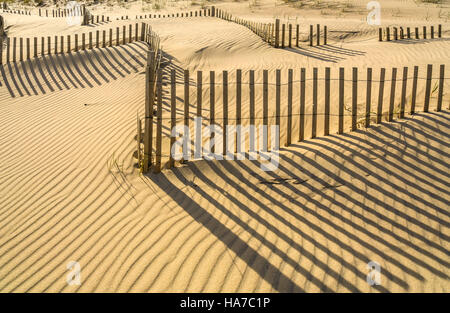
[(70, 189)]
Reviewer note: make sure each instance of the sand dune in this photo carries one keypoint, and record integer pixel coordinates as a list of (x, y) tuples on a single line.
[(70, 188)]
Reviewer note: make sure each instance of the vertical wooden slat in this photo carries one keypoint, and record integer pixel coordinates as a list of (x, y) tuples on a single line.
[(327, 102), (426, 104), (416, 31), (290, 35), (8, 49), (21, 49), (392, 100), (325, 35), (354, 98), (28, 48), (368, 96), (289, 108), (403, 99), (158, 149), (238, 106), (381, 95), (380, 34), (251, 87), (318, 35), (212, 99), (439, 31), (341, 101), (441, 87), (283, 29), (103, 38), (225, 110), (97, 39), (432, 32), (278, 98), (110, 37), (56, 44), (277, 33), (297, 36), (314, 104), (62, 44), (173, 114), (117, 36), (424, 32), (149, 97), (90, 40), (138, 140), (35, 48), (76, 42), (414, 89), (311, 35), (388, 34), (265, 105), (186, 102)]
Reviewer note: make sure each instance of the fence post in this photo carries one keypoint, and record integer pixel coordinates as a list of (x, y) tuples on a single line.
[(225, 111), (149, 99), (138, 140), (408, 32), (392, 102), (289, 109), (424, 32), (380, 34), (90, 40), (403, 99), (381, 95), (314, 104), (97, 39), (265, 107), (290, 35), (341, 101), (432, 32), (388, 34), (186, 103), (69, 48), (428, 88), (417, 32), (354, 98), (238, 110), (173, 112), (198, 132), (252, 136), (83, 41), (441, 87), (318, 35), (325, 34), (395, 33), (117, 36), (439, 31), (310, 35), (414, 89), (212, 99), (278, 98), (277, 33), (21, 49), (297, 35), (158, 149), (368, 95), (327, 102)]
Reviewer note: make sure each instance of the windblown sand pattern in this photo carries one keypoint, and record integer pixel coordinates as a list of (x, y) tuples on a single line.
[(70, 188)]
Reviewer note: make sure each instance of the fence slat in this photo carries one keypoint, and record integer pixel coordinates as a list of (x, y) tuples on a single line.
[(238, 108), (341, 101), (198, 134), (225, 110), (354, 98), (252, 142), (265, 106), (441, 87), (138, 140), (368, 96), (212, 99), (381, 95), (314, 104), (403, 99), (289, 108), (158, 152), (426, 103), (173, 114), (326, 131), (278, 98), (392, 101), (149, 97), (186, 103), (414, 89)]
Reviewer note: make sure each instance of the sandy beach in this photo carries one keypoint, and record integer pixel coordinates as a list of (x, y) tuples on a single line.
[(71, 188)]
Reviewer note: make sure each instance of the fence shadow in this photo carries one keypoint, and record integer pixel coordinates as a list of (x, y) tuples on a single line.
[(81, 69), (327, 193)]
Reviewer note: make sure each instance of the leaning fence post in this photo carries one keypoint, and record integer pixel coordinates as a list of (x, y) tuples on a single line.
[(441, 87), (158, 150), (428, 88)]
